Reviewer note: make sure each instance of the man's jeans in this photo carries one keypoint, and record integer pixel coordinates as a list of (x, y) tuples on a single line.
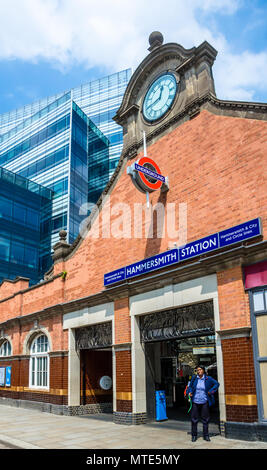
[(200, 410)]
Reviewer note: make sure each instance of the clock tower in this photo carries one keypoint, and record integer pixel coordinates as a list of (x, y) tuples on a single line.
[(169, 87)]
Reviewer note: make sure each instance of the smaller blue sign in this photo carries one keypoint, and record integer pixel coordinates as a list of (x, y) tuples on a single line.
[(240, 232), (199, 247), (2, 376), (149, 172), (8, 376), (114, 276)]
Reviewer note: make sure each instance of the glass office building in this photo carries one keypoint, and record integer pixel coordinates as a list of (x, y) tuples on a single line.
[(24, 206), (69, 144), (98, 99), (51, 148)]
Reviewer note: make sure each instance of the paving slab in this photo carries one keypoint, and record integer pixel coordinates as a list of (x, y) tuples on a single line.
[(32, 429)]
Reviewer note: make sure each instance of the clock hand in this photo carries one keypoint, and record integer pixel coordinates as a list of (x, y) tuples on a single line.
[(152, 104), (158, 99)]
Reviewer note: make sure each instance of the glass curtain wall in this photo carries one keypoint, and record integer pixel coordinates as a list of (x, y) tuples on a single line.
[(54, 143), (79, 171), (38, 149), (98, 163), (98, 99), (23, 204), (89, 167)]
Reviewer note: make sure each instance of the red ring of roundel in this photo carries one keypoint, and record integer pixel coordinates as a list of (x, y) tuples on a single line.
[(150, 185)]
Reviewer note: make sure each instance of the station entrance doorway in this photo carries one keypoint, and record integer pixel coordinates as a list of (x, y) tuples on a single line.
[(95, 348), (175, 341)]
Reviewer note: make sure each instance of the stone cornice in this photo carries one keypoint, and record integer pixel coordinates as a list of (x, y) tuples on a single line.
[(231, 333)]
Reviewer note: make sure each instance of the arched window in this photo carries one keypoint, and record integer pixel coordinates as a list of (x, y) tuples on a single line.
[(5, 349), (39, 362)]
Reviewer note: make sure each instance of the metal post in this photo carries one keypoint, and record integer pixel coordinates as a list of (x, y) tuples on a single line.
[(145, 155), (147, 200), (144, 140)]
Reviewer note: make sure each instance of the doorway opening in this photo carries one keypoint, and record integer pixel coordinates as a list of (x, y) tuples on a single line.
[(176, 341), (94, 345), (96, 380), (169, 367)]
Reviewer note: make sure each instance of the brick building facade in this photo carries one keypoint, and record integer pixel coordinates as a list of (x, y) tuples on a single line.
[(214, 154)]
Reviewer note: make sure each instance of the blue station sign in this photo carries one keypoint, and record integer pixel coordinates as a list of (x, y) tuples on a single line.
[(228, 237)]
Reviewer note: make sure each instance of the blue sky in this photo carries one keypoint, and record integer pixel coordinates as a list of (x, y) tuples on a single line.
[(48, 46)]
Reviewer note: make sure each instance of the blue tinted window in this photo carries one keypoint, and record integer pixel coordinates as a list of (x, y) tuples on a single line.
[(32, 218), (19, 213), (59, 222), (5, 208), (30, 257), (17, 253), (40, 165), (115, 138), (60, 187), (4, 248), (36, 139), (49, 161)]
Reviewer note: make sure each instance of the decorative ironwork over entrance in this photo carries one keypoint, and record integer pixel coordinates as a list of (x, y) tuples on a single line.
[(94, 337), (182, 322)]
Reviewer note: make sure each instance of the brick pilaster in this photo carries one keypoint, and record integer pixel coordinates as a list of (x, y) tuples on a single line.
[(123, 356), (237, 348)]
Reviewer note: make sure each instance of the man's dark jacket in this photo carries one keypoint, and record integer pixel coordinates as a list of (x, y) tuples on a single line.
[(211, 386)]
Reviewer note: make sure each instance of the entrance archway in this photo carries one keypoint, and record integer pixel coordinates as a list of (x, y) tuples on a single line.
[(175, 341), (94, 344)]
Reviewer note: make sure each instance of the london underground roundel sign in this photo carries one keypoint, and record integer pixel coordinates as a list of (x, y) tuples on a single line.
[(146, 175)]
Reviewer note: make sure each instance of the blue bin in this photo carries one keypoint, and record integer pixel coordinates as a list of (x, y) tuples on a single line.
[(161, 405)]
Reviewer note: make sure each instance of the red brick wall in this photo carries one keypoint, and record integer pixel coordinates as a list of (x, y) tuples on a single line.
[(123, 358), (242, 414), (238, 363), (124, 381), (215, 165), (233, 300), (19, 337), (239, 378), (8, 288), (20, 389), (59, 372), (239, 374), (122, 321)]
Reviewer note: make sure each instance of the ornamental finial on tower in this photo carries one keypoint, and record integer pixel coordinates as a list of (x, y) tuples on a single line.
[(155, 40)]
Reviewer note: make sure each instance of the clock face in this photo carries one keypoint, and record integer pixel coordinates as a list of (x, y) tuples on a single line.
[(159, 97)]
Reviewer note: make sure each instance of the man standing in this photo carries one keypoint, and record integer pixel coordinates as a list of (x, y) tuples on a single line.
[(201, 389)]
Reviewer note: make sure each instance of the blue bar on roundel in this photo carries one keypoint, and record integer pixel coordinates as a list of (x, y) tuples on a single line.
[(149, 172), (240, 232)]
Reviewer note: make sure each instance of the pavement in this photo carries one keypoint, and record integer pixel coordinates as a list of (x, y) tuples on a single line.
[(30, 429)]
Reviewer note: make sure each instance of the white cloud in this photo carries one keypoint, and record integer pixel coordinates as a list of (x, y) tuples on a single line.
[(114, 35), (228, 6), (238, 76)]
